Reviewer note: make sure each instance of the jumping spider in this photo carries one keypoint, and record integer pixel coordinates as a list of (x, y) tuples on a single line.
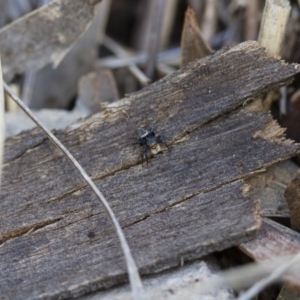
[(150, 142)]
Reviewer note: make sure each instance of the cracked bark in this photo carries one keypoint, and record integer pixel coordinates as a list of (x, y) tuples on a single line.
[(186, 203)]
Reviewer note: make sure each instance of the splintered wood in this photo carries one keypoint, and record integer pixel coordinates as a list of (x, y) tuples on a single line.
[(186, 203)]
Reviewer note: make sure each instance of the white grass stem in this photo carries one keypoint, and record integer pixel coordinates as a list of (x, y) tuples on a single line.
[(272, 278)]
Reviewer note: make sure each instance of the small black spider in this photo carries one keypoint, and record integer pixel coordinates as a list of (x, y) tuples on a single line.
[(150, 142)]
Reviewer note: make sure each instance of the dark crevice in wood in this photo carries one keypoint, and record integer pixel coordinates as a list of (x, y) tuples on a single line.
[(68, 193), (22, 231), (19, 155), (185, 199)]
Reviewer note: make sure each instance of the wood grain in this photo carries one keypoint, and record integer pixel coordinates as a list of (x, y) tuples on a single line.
[(57, 241), (79, 252)]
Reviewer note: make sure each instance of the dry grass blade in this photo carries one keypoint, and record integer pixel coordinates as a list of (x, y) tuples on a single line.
[(260, 273), (2, 132), (93, 2), (168, 56), (272, 31), (273, 277), (154, 36), (168, 22), (134, 278), (120, 52), (273, 25), (209, 21), (252, 22)]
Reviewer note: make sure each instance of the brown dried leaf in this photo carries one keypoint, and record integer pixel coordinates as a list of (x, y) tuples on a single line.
[(193, 44)]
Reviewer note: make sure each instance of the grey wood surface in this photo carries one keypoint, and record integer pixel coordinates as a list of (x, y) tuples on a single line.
[(57, 242)]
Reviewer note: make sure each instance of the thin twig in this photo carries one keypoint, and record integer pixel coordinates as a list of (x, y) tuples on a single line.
[(168, 21), (134, 278), (272, 31), (252, 14), (164, 69), (168, 56), (154, 36), (101, 18), (119, 51), (273, 277), (283, 101), (273, 25), (209, 20), (29, 81)]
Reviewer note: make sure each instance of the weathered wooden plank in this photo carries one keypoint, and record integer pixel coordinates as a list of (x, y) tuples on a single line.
[(219, 153), (81, 253), (176, 104), (185, 204), (272, 241), (147, 201)]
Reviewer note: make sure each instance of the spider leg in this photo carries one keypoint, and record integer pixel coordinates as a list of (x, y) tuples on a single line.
[(168, 147), (144, 154), (162, 140)]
